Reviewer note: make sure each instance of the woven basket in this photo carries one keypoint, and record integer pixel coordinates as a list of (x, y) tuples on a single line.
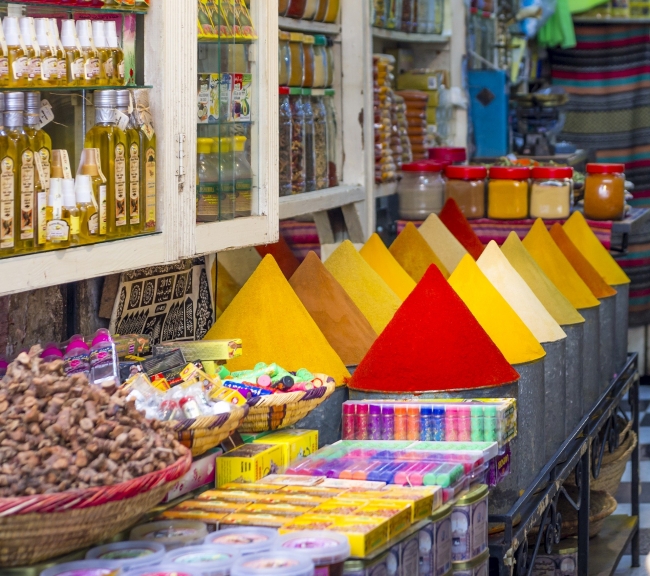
[(37, 528), (281, 410), (601, 506), (202, 434)]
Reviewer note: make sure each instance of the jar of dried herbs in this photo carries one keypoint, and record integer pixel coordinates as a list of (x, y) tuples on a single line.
[(332, 161), (320, 138), (297, 141), (310, 156), (285, 122)]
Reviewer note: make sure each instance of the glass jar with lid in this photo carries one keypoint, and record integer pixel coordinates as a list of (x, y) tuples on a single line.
[(466, 185), (421, 190), (311, 9), (322, 11), (284, 153), (320, 61), (284, 58), (551, 192), (332, 13), (308, 50), (310, 151), (297, 68), (330, 63), (320, 138), (297, 141), (283, 6), (332, 156), (508, 192), (296, 8), (605, 192)]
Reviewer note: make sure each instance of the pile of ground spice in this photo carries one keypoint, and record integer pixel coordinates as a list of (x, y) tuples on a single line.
[(377, 302), (599, 288), (516, 342), (459, 226), (275, 327), (546, 253), (413, 253), (334, 312), (553, 300), (433, 343), (227, 288), (283, 255), (592, 249), (383, 262), (518, 294), (442, 242)]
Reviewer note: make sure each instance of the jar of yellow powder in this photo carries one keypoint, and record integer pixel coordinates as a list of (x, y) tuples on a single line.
[(605, 192), (508, 192), (421, 190), (466, 185), (551, 193)]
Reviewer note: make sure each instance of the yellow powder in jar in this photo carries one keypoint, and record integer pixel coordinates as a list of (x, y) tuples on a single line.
[(377, 302), (550, 201), (546, 253), (518, 294), (592, 249), (502, 324), (553, 300), (442, 242), (275, 327), (508, 199), (413, 253), (383, 262)]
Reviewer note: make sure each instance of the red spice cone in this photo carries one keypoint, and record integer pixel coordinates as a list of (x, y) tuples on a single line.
[(283, 255), (433, 343), (458, 225)]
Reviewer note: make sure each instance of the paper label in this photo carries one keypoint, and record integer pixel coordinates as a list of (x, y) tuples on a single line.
[(20, 67), (49, 68), (150, 187), (41, 199), (42, 160), (4, 67), (148, 131), (134, 183), (27, 196), (91, 68), (93, 224), (120, 186), (103, 218), (122, 120), (65, 161), (77, 69), (7, 202), (244, 195), (61, 65), (35, 68), (120, 70), (58, 231)]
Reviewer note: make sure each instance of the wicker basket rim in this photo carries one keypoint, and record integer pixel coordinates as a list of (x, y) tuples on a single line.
[(610, 505), (294, 397), (237, 413)]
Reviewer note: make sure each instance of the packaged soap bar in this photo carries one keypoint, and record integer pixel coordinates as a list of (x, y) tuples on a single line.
[(397, 513), (249, 463), (288, 510), (244, 540), (297, 444), (210, 519), (236, 496), (254, 487), (215, 506), (426, 499), (293, 499)]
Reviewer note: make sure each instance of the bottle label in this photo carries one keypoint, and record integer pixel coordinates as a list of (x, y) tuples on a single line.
[(93, 224), (150, 186), (243, 196), (35, 67), (103, 218), (101, 357), (20, 67), (120, 186), (4, 68), (207, 199), (91, 68), (75, 226), (7, 202), (41, 198), (27, 196), (120, 70), (134, 182), (49, 68), (77, 364), (61, 65), (77, 69), (109, 68), (44, 155), (58, 231)]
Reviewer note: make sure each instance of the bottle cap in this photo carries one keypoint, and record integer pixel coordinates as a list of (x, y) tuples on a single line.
[(438, 411), (14, 101), (69, 199), (54, 31), (104, 98), (33, 101), (477, 410), (99, 33), (414, 410), (239, 143), (490, 411), (88, 162), (68, 34), (451, 411), (42, 30), (85, 33), (401, 410), (264, 381), (374, 409), (2, 101), (204, 145), (26, 30), (110, 31), (76, 343), (362, 408), (12, 31), (102, 335), (51, 350), (426, 410), (387, 410), (349, 408), (123, 98), (56, 166)]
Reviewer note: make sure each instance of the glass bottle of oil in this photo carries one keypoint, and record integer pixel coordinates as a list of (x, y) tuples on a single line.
[(74, 61), (90, 54), (137, 200), (58, 230), (33, 51), (88, 209), (18, 63), (106, 64), (56, 168), (144, 122), (4, 60), (89, 166), (49, 57), (61, 54), (243, 174), (7, 194), (116, 52), (71, 212), (112, 144)]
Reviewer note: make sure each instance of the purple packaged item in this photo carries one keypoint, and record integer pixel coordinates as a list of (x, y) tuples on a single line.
[(374, 423), (387, 423), (245, 390), (76, 358)]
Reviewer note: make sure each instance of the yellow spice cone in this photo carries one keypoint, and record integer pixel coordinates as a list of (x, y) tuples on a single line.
[(553, 300), (442, 242), (377, 302), (275, 327), (592, 249), (375, 253), (546, 253), (516, 342), (413, 253), (517, 293)]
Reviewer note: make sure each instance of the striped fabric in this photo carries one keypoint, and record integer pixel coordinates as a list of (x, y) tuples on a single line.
[(301, 237)]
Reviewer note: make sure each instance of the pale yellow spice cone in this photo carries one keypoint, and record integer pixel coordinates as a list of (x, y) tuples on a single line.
[(442, 242)]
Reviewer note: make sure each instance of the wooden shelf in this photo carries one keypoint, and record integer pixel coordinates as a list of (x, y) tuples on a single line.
[(398, 36), (238, 233), (382, 190), (308, 26), (606, 549), (310, 202)]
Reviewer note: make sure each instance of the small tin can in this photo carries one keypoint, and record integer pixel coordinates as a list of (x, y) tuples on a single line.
[(469, 525), (479, 566)]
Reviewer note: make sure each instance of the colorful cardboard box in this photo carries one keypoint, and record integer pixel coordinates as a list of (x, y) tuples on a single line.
[(249, 463), (296, 444)]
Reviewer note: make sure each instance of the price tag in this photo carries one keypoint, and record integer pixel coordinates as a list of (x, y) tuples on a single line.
[(65, 160), (46, 114), (122, 120), (148, 130)]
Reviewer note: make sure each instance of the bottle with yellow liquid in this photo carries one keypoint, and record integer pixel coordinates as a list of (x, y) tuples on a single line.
[(4, 60), (7, 194), (112, 43), (61, 54), (32, 50), (112, 144), (18, 60), (88, 209), (49, 56), (90, 54), (106, 64), (89, 166), (137, 199), (74, 60), (144, 122), (71, 212), (243, 174), (58, 230)]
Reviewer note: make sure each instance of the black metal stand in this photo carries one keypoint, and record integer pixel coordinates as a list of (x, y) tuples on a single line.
[(537, 508)]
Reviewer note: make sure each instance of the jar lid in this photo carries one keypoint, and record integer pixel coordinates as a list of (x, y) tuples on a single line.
[(510, 172), (423, 166), (320, 40), (284, 90), (605, 168), (282, 35), (244, 540), (275, 563), (84, 568), (321, 546), (306, 91), (217, 560), (132, 553), (308, 39), (448, 154), (552, 172), (466, 172), (295, 91), (297, 37)]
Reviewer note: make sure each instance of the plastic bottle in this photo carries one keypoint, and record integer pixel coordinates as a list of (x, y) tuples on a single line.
[(243, 178), (7, 191), (374, 422), (387, 423), (426, 423), (207, 185), (88, 209), (58, 230), (222, 148), (89, 165), (51, 352), (490, 424), (77, 357), (18, 59), (4, 60), (116, 52), (464, 424), (362, 422), (71, 212), (32, 50), (74, 60), (451, 423), (90, 53), (106, 63), (104, 369), (438, 424), (143, 122), (49, 56), (413, 422), (400, 423), (348, 421)]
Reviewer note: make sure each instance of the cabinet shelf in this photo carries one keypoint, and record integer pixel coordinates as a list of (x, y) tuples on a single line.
[(218, 236), (397, 36), (310, 202), (73, 88), (387, 189), (308, 26), (55, 7)]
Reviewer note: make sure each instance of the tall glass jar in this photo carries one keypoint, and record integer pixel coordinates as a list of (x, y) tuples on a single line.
[(308, 50), (311, 8), (320, 61), (322, 11), (284, 58), (297, 141), (285, 123), (332, 157), (297, 68), (310, 152), (421, 190), (296, 8), (466, 185), (605, 192), (320, 138), (330, 62), (551, 193), (508, 192), (283, 5), (408, 13), (332, 13)]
